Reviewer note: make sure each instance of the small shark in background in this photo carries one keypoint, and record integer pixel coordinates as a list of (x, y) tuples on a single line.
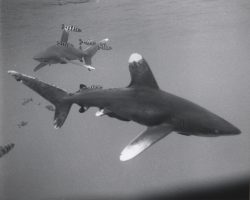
[(22, 124), (63, 52), (142, 101), (6, 149)]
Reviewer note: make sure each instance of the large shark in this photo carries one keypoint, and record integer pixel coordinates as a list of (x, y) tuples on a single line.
[(63, 52), (142, 101)]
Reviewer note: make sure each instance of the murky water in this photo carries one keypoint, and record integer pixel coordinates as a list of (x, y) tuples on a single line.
[(197, 49)]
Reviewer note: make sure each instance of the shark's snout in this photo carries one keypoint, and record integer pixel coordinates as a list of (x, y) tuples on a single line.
[(230, 130)]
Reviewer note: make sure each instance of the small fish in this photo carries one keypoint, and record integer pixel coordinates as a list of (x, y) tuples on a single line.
[(71, 28), (95, 87), (26, 101), (88, 42), (6, 148), (22, 123), (65, 44), (104, 46), (50, 107)]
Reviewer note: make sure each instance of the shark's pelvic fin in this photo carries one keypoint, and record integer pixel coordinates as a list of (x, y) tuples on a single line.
[(145, 140), (140, 72)]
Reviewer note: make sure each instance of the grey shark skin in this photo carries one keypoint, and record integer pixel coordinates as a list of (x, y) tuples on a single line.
[(64, 52), (142, 102)]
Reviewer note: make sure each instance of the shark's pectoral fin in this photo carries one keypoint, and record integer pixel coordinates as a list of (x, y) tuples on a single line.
[(89, 67), (145, 140), (41, 65)]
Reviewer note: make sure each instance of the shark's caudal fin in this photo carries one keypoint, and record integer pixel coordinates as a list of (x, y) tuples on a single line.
[(51, 93), (91, 51)]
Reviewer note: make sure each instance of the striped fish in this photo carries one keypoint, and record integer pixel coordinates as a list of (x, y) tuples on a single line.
[(6, 148), (95, 87), (89, 42), (65, 44), (104, 46), (71, 28)]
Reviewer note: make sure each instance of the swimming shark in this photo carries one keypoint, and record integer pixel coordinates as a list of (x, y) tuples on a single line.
[(142, 101), (64, 52)]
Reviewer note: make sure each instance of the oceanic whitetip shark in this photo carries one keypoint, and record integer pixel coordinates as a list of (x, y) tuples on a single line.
[(63, 52), (142, 101)]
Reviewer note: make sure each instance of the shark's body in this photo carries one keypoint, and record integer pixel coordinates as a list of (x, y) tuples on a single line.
[(142, 102), (152, 107), (64, 52)]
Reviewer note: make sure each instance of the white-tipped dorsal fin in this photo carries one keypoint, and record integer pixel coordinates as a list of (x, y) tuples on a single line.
[(135, 57), (144, 141), (140, 72)]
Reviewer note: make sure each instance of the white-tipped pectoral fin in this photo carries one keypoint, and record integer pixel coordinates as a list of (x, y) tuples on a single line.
[(144, 141), (89, 67)]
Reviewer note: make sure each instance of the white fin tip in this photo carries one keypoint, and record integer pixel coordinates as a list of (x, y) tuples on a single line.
[(105, 40), (99, 113), (135, 57), (89, 67), (12, 72)]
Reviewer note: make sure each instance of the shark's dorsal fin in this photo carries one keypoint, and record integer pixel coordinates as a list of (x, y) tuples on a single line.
[(141, 74)]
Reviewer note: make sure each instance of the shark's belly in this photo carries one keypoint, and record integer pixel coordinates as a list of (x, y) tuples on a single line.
[(68, 52)]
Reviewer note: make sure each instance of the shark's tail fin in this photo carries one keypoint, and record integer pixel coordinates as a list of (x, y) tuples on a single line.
[(103, 44), (91, 51), (56, 96)]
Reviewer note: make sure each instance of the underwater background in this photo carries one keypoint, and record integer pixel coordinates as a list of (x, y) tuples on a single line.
[(197, 49)]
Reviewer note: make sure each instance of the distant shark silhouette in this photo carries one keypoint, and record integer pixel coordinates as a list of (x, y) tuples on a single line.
[(142, 101), (64, 52)]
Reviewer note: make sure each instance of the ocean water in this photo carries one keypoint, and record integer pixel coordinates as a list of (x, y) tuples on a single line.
[(197, 49)]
